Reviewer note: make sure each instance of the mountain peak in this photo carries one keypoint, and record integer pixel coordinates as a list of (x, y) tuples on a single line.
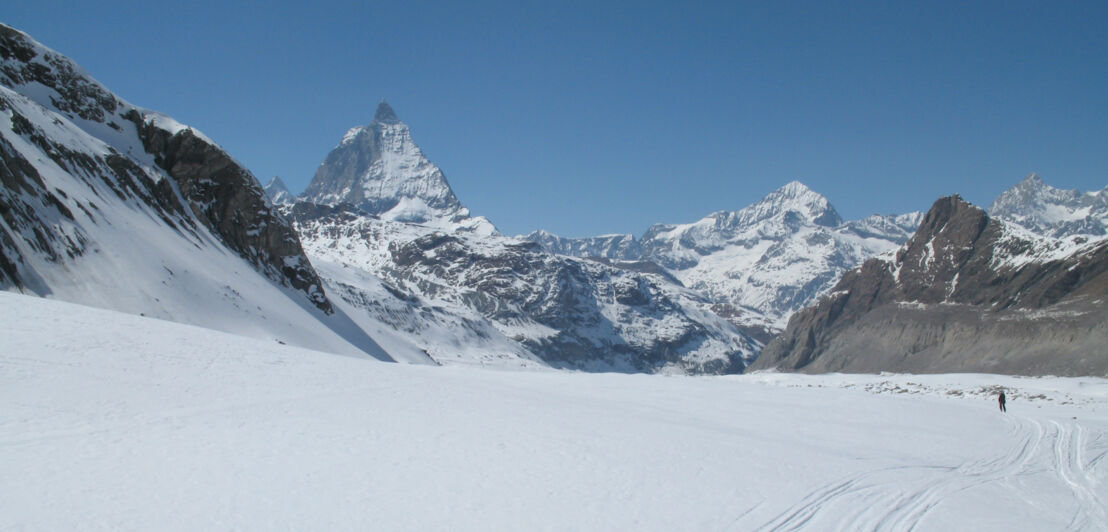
[(277, 184), (381, 170), (385, 114), (1050, 211), (794, 189), (796, 197)]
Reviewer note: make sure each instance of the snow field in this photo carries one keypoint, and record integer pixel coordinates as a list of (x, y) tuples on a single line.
[(113, 421)]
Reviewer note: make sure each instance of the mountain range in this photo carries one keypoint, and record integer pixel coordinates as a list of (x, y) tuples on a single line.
[(968, 292), (759, 264), (108, 204)]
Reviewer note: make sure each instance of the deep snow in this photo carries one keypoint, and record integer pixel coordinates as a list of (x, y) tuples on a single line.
[(114, 421)]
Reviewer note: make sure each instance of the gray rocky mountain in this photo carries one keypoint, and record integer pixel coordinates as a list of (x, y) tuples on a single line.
[(966, 293), (1049, 211), (759, 264)]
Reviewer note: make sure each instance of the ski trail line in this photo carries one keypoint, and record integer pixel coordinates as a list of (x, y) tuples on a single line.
[(899, 498)]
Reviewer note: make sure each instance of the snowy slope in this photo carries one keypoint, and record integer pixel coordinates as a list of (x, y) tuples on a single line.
[(759, 264), (122, 422), (115, 206), (1052, 212)]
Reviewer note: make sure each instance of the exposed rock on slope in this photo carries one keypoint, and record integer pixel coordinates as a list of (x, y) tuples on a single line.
[(966, 293), (224, 196), (112, 205), (567, 312)]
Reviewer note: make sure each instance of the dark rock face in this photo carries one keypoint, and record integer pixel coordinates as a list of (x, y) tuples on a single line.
[(964, 294), (231, 202), (78, 95)]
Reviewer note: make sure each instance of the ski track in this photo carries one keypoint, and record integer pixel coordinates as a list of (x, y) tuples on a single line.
[(900, 498)]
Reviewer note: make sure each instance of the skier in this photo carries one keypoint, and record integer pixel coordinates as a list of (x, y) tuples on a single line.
[(1002, 400)]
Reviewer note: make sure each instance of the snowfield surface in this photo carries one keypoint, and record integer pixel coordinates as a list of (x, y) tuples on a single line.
[(118, 422)]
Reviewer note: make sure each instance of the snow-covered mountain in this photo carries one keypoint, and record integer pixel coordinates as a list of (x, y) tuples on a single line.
[(379, 170), (1049, 211), (449, 285), (506, 301), (111, 205), (278, 193), (759, 264), (966, 293)]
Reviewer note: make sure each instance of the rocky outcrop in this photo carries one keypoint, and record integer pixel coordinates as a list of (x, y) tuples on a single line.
[(966, 293), (231, 202)]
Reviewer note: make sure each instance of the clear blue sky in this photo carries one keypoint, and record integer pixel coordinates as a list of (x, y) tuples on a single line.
[(586, 118)]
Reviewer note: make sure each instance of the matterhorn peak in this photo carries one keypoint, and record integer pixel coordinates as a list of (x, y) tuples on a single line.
[(385, 114), (379, 169)]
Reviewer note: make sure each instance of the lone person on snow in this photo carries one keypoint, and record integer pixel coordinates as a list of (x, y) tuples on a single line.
[(1002, 400)]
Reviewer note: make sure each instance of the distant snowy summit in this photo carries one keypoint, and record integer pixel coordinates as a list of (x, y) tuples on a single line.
[(761, 263), (380, 170), (1049, 211), (278, 193)]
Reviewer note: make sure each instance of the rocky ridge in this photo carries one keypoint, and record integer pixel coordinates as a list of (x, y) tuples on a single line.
[(967, 293)]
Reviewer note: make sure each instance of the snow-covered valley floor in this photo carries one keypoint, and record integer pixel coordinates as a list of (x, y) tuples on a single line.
[(112, 421)]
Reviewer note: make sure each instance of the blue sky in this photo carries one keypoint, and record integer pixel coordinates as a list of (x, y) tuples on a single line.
[(586, 118)]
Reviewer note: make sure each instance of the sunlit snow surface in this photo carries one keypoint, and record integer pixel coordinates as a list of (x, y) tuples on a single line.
[(113, 421)]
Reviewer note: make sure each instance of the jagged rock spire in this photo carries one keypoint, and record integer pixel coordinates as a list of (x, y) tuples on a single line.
[(385, 114)]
